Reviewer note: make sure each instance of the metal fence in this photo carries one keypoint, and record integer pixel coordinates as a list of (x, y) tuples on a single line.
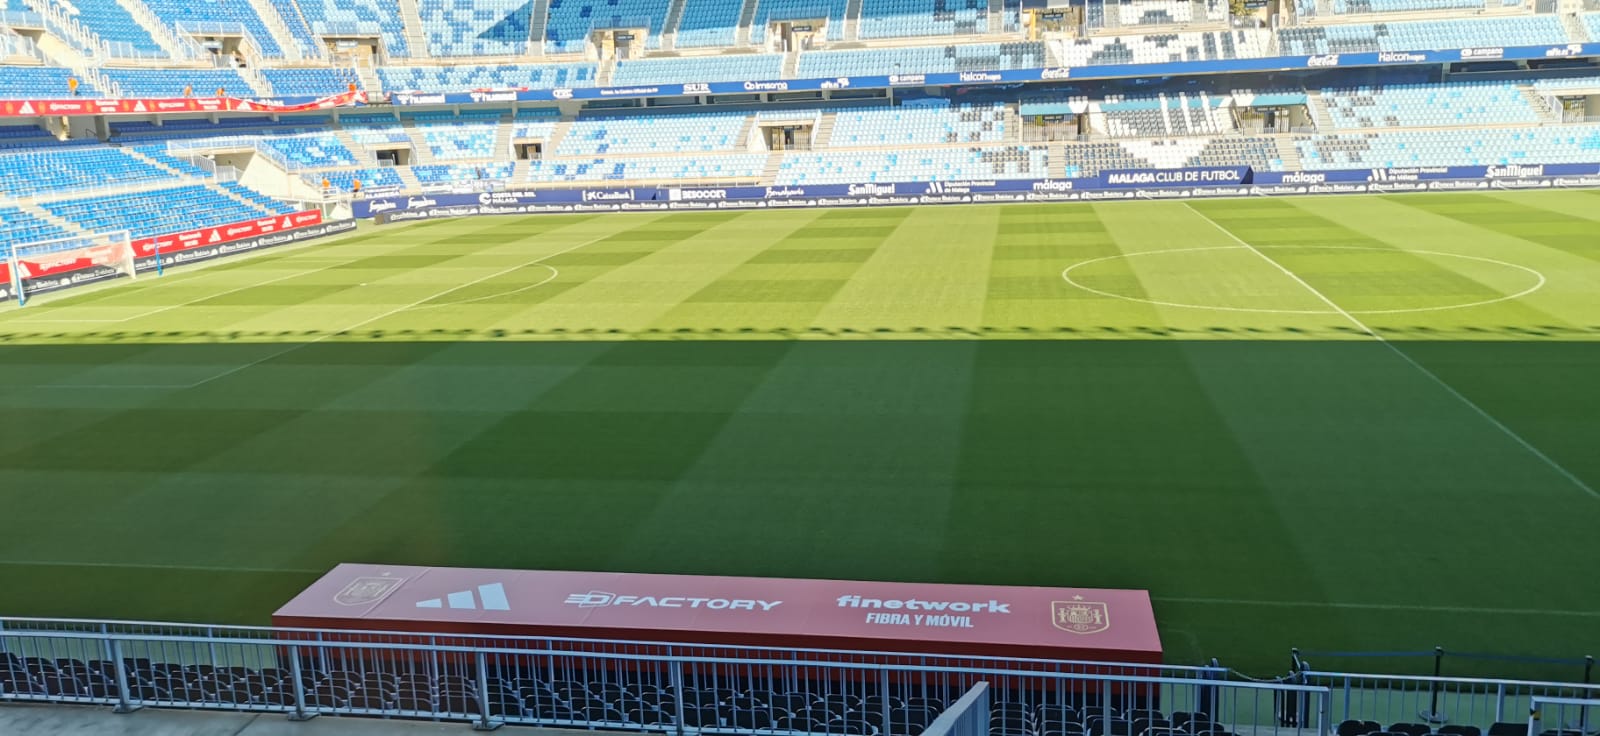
[(638, 686)]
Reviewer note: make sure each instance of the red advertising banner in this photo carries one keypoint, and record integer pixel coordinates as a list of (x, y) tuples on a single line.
[(144, 105), (174, 242), (55, 264), (899, 618)]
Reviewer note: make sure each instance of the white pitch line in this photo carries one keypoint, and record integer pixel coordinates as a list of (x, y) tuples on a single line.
[(400, 309), (1378, 607), (146, 566), (1536, 452)]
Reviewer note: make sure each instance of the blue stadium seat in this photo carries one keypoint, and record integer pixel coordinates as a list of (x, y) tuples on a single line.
[(463, 77), (725, 68), (570, 21), (309, 82), (662, 133), (66, 168), (19, 82), (171, 82), (929, 165), (357, 17), (655, 169), (708, 23), (213, 12), (476, 27), (897, 18), (155, 211), (922, 59)]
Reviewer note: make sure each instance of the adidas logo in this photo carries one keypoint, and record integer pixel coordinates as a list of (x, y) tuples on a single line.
[(492, 598)]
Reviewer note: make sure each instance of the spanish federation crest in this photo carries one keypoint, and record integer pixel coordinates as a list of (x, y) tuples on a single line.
[(362, 591), (1080, 617)]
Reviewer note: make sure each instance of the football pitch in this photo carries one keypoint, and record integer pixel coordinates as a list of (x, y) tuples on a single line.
[(1337, 423)]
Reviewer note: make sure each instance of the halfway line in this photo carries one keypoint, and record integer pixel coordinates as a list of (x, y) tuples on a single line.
[(1397, 351)]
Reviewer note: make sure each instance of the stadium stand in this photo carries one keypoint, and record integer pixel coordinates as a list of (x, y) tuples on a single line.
[(944, 164), (356, 17), (40, 171), (18, 82), (309, 82), (831, 11), (896, 18), (456, 78), (470, 136), (1478, 147), (476, 27), (723, 167), (115, 25), (1166, 47), (668, 133), (1428, 105), (216, 13), (446, 173), (18, 226), (888, 126), (311, 151), (1425, 34), (730, 67), (534, 124), (172, 82), (344, 180), (709, 23), (570, 21), (922, 59), (154, 211)]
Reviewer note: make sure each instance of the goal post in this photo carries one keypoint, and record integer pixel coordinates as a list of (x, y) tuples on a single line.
[(45, 265)]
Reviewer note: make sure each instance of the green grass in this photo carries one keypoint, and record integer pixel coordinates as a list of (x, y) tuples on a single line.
[(900, 394)]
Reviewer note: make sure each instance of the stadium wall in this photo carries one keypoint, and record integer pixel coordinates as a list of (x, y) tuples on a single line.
[(1231, 181), (177, 249)]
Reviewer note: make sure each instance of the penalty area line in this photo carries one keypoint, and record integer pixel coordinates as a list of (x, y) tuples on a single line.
[(1434, 377)]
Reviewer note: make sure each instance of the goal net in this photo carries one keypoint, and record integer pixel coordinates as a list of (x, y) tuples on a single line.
[(47, 265)]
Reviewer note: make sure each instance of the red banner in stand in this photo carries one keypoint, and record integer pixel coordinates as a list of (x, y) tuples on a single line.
[(899, 618), (53, 264), (142, 105)]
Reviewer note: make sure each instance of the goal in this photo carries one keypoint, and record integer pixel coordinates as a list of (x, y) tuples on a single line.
[(46, 265)]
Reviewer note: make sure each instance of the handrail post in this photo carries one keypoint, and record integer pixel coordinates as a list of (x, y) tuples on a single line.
[(883, 696), (124, 698), (484, 722), (677, 695), (299, 713)]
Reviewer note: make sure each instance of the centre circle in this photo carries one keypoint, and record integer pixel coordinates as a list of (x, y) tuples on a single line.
[(1524, 280)]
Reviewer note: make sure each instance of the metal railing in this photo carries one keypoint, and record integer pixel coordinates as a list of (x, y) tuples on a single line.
[(637, 686)]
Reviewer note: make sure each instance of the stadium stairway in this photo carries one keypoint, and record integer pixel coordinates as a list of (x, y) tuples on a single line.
[(1056, 156), (852, 20), (1288, 152), (165, 36), (1574, 27), (604, 72), (997, 16), (537, 23), (747, 15), (34, 209), (411, 20), (1540, 105), (421, 150), (275, 24), (131, 152), (408, 178), (502, 138), (774, 166), (791, 63), (1318, 108), (556, 134), (669, 27), (350, 142), (824, 130)]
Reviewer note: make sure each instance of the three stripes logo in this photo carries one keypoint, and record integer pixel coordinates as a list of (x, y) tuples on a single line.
[(491, 597)]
